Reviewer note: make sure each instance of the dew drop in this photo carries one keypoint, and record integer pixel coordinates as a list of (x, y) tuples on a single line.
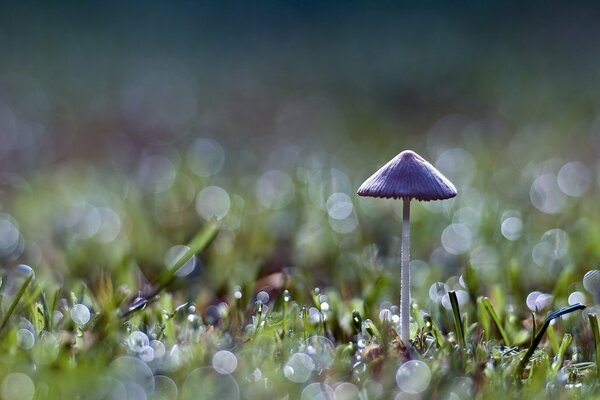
[(137, 340), (159, 348), (512, 228), (339, 206), (146, 354), (25, 339), (286, 295), (175, 254), (17, 386), (576, 297), (212, 202), (437, 291), (574, 179), (591, 282), (298, 368), (132, 370), (275, 189), (205, 157), (80, 314), (46, 349), (413, 377), (224, 362), (263, 297), (164, 388)]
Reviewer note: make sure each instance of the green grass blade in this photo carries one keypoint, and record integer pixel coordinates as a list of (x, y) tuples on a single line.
[(562, 350), (202, 239), (15, 301), (596, 333), (460, 329), (487, 305), (196, 245), (538, 338)]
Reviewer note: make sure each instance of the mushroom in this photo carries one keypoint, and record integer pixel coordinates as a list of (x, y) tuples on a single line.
[(407, 176)]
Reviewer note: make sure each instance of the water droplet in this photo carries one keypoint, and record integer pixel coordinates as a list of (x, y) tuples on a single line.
[(541, 301), (591, 283), (298, 368), (146, 354), (437, 291), (512, 228), (129, 369), (458, 165), (546, 195), (159, 348), (314, 315), (80, 314), (286, 295), (174, 254), (137, 340), (57, 317), (321, 350), (212, 202), (17, 386), (9, 234), (133, 391), (317, 391), (164, 388), (205, 157), (574, 179), (263, 297), (531, 299), (413, 377), (461, 295), (552, 247), (224, 362), (385, 315), (339, 206), (156, 173), (275, 189), (46, 349), (576, 297), (25, 339), (457, 238), (346, 391), (344, 226)]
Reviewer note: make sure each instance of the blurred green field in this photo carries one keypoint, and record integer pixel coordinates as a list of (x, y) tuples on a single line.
[(178, 216)]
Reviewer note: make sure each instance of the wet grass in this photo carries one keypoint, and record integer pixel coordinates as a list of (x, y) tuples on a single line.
[(293, 292)]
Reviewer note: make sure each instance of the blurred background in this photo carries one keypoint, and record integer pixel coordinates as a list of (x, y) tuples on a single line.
[(125, 127)]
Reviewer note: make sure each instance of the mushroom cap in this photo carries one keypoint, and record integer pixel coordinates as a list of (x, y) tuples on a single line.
[(408, 175)]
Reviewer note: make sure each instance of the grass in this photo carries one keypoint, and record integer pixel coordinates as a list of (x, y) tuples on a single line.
[(287, 301)]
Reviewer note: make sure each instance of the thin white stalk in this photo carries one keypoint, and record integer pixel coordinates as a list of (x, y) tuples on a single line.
[(405, 274)]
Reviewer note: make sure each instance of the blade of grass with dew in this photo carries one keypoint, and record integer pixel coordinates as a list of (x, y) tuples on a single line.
[(553, 339), (533, 328), (202, 239), (47, 317), (540, 335), (196, 245), (596, 333), (562, 350), (484, 319), (15, 301), (460, 330), (487, 305)]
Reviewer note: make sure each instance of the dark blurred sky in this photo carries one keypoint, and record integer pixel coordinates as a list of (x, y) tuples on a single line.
[(79, 68)]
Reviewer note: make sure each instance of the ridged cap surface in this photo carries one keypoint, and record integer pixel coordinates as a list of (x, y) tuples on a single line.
[(408, 175)]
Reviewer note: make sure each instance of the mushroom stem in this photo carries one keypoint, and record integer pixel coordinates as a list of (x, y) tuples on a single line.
[(405, 273)]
